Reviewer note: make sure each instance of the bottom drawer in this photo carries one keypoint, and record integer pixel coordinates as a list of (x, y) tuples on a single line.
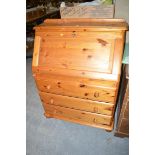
[(78, 115)]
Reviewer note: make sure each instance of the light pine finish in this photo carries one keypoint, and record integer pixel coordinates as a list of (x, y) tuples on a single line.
[(36, 52), (77, 103), (93, 54), (79, 34), (80, 80), (89, 24), (74, 73), (63, 86), (77, 114), (76, 66), (119, 44), (106, 127)]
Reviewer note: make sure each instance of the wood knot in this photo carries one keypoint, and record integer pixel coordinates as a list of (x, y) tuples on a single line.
[(89, 56), (82, 113), (95, 109), (96, 94), (102, 42), (82, 85), (109, 108), (59, 84), (65, 65), (84, 49), (86, 94)]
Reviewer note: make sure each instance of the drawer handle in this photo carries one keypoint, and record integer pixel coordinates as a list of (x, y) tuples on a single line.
[(51, 101), (96, 94), (73, 34), (48, 87), (61, 34)]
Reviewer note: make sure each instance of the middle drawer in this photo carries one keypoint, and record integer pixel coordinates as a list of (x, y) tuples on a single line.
[(78, 104)]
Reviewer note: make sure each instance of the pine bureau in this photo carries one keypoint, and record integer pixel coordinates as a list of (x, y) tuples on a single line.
[(76, 66)]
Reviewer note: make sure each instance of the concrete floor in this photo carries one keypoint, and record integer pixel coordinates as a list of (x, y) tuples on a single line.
[(56, 137)]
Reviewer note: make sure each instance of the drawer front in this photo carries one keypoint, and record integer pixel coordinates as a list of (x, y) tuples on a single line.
[(78, 104), (71, 87), (77, 115), (88, 54)]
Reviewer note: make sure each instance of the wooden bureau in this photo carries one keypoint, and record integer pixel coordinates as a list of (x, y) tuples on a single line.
[(76, 66)]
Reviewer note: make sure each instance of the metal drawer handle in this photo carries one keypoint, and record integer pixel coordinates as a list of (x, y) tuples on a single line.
[(73, 34), (61, 34), (51, 101), (48, 87)]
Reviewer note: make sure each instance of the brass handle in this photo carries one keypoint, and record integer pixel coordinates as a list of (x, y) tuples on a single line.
[(61, 34), (73, 34), (51, 101), (48, 87)]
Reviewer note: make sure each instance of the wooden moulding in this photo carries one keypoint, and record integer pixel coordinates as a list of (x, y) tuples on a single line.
[(75, 73), (79, 34), (113, 23), (118, 53), (36, 52), (87, 24)]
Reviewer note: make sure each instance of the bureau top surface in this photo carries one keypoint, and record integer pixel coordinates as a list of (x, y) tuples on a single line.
[(113, 24)]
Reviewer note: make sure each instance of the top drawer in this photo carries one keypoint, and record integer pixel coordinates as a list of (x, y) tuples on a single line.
[(97, 90), (77, 51)]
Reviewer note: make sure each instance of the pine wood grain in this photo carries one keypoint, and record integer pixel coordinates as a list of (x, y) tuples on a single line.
[(108, 128), (76, 66), (75, 73), (37, 42), (88, 24), (88, 81), (77, 103), (78, 115), (79, 34), (63, 86), (83, 54)]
